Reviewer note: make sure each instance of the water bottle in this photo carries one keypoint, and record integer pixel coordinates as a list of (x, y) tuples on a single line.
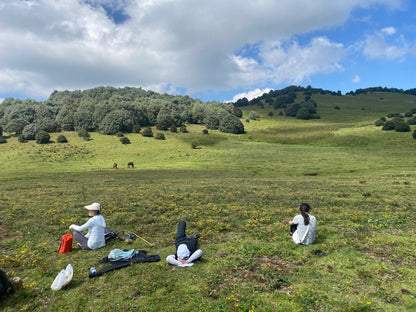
[(93, 270)]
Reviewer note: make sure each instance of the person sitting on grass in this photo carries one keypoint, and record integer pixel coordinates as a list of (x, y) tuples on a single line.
[(94, 239), (186, 248), (303, 226)]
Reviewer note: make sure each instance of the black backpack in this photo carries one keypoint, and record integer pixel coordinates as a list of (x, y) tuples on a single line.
[(109, 235), (5, 285)]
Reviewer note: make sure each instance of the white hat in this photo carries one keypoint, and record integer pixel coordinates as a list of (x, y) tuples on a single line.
[(94, 206), (183, 251)]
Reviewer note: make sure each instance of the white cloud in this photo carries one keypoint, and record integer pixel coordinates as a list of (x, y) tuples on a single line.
[(378, 46), (356, 79), (173, 44), (290, 63), (250, 94), (389, 31)]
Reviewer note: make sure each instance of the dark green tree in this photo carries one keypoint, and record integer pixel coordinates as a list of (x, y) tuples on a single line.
[(16, 125), (231, 124), (292, 110), (116, 121)]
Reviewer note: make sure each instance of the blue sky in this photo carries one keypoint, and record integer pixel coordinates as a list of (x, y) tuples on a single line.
[(213, 50)]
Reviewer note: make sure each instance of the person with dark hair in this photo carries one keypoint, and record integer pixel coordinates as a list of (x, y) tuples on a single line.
[(94, 239), (303, 226), (186, 248)]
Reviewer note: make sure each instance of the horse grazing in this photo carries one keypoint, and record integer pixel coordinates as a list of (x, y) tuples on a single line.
[(130, 164), (115, 166)]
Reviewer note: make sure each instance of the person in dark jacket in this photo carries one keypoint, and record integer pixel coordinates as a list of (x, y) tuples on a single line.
[(186, 248)]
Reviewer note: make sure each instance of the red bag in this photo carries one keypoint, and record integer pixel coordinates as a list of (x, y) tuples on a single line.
[(66, 243)]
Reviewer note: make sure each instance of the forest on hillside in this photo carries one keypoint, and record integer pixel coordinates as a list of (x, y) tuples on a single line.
[(110, 110)]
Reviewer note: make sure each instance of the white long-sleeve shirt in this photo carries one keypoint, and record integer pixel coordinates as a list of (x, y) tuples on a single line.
[(95, 235)]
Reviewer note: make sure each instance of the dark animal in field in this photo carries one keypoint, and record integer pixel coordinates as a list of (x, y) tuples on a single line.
[(130, 164), (115, 166)]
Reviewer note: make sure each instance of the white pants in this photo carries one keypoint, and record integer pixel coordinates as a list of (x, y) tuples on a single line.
[(196, 255)]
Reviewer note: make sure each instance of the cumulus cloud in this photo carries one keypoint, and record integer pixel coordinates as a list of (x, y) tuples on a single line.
[(383, 45), (250, 94), (356, 79), (289, 63), (177, 45)]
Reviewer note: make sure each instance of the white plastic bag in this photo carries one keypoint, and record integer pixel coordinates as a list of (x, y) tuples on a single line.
[(295, 237), (63, 278)]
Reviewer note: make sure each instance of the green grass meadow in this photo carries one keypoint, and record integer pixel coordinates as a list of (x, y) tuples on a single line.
[(238, 192)]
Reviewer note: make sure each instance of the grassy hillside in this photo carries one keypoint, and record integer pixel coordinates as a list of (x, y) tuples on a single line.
[(238, 191)]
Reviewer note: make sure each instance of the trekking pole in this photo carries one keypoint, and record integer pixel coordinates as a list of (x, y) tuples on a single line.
[(142, 239)]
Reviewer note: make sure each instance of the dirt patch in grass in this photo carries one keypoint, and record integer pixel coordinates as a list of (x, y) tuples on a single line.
[(276, 263), (4, 233)]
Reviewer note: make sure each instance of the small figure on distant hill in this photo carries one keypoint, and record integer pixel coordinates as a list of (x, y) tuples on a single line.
[(303, 226), (115, 166), (130, 164), (94, 239), (186, 248)]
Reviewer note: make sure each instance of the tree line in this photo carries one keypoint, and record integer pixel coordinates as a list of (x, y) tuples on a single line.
[(110, 110)]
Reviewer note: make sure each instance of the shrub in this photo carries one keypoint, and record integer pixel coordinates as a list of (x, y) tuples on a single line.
[(391, 115), (270, 114), (159, 136), (147, 132), (1, 131), (173, 128), (21, 138), (383, 118), (29, 132), (408, 114), (61, 139), (379, 123), (205, 131), (42, 137), (414, 134), (124, 140), (389, 125), (83, 133), (136, 128), (401, 126), (337, 107), (183, 129), (119, 134), (3, 140), (253, 115), (411, 121)]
